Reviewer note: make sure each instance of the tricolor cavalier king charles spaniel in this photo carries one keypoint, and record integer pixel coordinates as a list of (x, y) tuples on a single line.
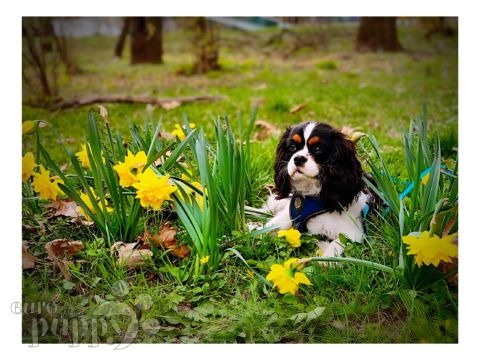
[(318, 185)]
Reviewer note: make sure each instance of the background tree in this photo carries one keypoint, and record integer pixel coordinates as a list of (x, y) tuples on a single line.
[(377, 33), (44, 50), (39, 60), (122, 37), (435, 25), (146, 40), (64, 48), (206, 44)]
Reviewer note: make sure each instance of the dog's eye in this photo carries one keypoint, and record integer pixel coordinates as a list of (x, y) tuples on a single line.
[(317, 149), (292, 147)]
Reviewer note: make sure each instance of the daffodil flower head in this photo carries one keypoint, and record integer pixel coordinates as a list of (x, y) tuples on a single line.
[(204, 259), (82, 156), (179, 131), (191, 193), (292, 236), (30, 126), (153, 190), (28, 164), (188, 176), (431, 249), (88, 202), (425, 179), (287, 277), (131, 167), (46, 186)]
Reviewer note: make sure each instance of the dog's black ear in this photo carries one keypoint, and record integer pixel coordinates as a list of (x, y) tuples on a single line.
[(342, 174), (282, 180)]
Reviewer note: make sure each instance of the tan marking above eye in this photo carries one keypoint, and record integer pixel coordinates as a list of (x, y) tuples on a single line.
[(297, 138), (313, 140)]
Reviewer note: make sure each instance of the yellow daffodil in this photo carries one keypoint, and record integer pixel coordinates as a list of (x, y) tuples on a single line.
[(198, 197), (153, 190), (86, 199), (292, 236), (431, 249), (29, 127), (180, 133), (204, 260), (425, 179), (46, 187), (131, 167), (187, 177), (83, 156), (28, 164), (286, 277)]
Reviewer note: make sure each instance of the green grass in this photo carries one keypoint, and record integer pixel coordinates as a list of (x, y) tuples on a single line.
[(378, 93)]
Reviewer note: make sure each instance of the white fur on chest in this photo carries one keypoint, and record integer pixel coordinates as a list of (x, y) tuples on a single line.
[(331, 225)]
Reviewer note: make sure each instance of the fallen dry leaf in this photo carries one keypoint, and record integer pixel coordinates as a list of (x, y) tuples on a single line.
[(66, 208), (166, 135), (81, 221), (60, 251), (70, 140), (166, 239), (297, 108), (447, 267), (64, 248), (169, 105), (28, 260), (261, 86), (257, 101), (130, 255), (264, 130)]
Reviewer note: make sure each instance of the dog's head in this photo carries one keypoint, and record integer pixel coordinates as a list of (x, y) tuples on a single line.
[(316, 159)]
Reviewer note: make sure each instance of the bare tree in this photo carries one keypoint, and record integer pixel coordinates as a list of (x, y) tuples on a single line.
[(39, 59), (435, 25), (123, 36), (44, 50), (377, 33), (64, 49), (205, 42)]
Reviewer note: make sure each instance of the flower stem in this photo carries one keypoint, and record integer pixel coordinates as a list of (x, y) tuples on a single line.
[(349, 260)]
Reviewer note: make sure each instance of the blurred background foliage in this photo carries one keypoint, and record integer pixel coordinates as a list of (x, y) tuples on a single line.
[(372, 73)]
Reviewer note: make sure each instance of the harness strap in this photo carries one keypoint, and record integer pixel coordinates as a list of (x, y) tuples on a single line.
[(302, 208)]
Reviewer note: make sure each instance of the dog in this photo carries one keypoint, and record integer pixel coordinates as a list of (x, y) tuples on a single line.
[(319, 186)]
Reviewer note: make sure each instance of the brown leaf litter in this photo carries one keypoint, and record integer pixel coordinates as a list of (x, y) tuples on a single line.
[(60, 251)]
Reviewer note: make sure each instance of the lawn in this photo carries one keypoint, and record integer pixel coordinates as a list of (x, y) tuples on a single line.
[(378, 93)]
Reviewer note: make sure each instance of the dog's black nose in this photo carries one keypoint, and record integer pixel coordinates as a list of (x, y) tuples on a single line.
[(299, 160)]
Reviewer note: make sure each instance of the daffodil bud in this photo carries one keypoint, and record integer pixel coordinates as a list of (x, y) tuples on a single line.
[(30, 126)]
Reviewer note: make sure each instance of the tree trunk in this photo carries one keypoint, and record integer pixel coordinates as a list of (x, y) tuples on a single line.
[(377, 33), (39, 58), (123, 36), (64, 49), (206, 44), (147, 46), (435, 25)]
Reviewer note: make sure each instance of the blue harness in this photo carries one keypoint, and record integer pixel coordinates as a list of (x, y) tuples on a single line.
[(302, 208)]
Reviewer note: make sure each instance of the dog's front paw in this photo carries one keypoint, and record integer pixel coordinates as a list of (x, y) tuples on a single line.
[(330, 249)]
